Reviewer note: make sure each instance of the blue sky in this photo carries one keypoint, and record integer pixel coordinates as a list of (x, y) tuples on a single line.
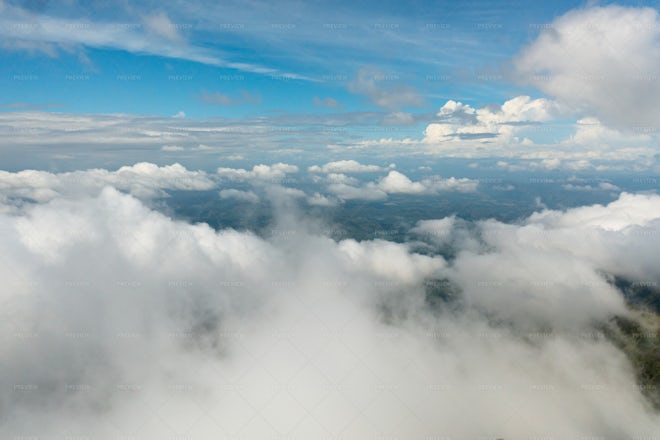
[(522, 80), (444, 50)]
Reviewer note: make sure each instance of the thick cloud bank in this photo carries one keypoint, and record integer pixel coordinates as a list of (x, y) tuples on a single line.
[(118, 322), (603, 60), (143, 180)]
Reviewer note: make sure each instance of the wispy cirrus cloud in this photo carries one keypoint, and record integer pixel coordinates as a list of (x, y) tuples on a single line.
[(383, 90), (328, 102), (155, 34)]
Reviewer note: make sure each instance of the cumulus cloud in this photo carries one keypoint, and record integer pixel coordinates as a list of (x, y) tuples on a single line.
[(463, 184), (565, 255), (601, 60), (555, 258), (593, 133), (520, 109), (602, 186), (439, 231), (519, 129), (460, 121), (118, 320), (145, 180), (345, 191), (345, 166), (318, 199), (341, 178), (261, 172), (394, 182), (629, 210)]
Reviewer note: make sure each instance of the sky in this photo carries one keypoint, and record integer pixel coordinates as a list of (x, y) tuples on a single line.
[(548, 80), (202, 57), (329, 220)]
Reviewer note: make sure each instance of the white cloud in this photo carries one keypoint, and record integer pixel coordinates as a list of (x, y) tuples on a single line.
[(200, 147), (161, 25), (396, 182), (341, 178), (25, 30), (462, 184), (601, 60), (439, 231), (552, 259), (285, 193), (546, 164), (460, 121), (520, 109), (245, 196), (629, 211), (318, 199), (345, 166), (508, 166), (552, 164), (80, 138), (261, 172), (519, 130), (457, 110), (602, 186), (389, 261), (145, 180), (119, 319), (344, 191), (592, 133)]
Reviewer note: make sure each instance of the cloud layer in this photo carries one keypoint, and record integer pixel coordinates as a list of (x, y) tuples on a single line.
[(119, 321), (144, 180)]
